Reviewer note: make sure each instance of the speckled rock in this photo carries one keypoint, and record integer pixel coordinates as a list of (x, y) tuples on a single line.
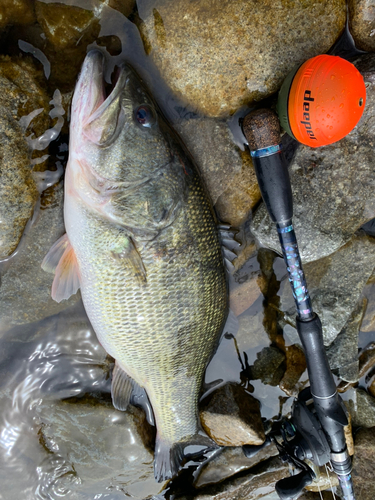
[(69, 29), (335, 285), (362, 23), (343, 352), (269, 366), (363, 464), (229, 462), (228, 172), (231, 416), (361, 407), (19, 12), (20, 95), (332, 197), (218, 54), (103, 446), (25, 291)]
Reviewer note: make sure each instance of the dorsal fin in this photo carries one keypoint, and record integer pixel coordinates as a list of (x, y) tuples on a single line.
[(62, 260)]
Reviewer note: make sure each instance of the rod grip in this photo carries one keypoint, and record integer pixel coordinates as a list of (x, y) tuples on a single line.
[(311, 335)]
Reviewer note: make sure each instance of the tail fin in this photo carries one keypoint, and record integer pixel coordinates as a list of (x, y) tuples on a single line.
[(169, 458)]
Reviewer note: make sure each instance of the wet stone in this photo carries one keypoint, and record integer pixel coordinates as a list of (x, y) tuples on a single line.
[(362, 24), (335, 284), (104, 447), (231, 461), (19, 12), (343, 352), (332, 197), (231, 416), (20, 95), (219, 56), (228, 172), (25, 291), (253, 486), (269, 366), (363, 464), (67, 31), (295, 366)]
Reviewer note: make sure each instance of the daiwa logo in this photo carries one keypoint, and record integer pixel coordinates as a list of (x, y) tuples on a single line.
[(307, 99)]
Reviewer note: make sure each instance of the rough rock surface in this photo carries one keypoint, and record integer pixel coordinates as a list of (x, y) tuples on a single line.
[(67, 31), (231, 416), (343, 352), (16, 12), (253, 486), (295, 366), (361, 407), (228, 172), (363, 464), (203, 48), (362, 23), (20, 95), (335, 285), (269, 366), (231, 461), (25, 292), (332, 186)]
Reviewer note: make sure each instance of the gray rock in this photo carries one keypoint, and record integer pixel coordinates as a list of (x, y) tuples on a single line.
[(361, 407), (332, 193), (219, 56), (228, 172), (20, 94), (343, 352), (362, 24), (335, 285), (231, 416), (231, 461), (25, 290)]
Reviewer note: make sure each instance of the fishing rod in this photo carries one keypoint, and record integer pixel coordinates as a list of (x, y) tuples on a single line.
[(322, 428), (319, 103)]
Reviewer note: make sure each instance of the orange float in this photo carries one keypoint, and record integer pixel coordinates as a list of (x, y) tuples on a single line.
[(321, 101)]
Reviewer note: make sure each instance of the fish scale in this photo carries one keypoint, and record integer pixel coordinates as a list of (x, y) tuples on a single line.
[(143, 239)]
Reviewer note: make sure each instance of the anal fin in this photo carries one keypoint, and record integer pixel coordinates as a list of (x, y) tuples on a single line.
[(125, 390)]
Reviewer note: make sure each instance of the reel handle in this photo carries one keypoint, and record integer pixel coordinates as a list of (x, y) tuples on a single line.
[(291, 487)]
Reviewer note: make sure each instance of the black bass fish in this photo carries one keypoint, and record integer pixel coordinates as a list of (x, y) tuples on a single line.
[(142, 243)]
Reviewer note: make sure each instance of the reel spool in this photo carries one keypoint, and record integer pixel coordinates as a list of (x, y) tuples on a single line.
[(321, 101)]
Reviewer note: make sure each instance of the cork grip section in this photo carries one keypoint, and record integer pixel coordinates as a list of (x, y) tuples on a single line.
[(261, 129)]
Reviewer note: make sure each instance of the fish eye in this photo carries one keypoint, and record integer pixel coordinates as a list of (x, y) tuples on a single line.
[(145, 115)]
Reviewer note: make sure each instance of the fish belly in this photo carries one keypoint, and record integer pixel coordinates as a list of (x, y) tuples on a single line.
[(162, 332)]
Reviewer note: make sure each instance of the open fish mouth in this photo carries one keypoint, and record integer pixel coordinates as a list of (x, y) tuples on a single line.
[(92, 97)]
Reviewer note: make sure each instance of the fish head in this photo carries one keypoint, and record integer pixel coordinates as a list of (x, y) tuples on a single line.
[(121, 135), (122, 152)]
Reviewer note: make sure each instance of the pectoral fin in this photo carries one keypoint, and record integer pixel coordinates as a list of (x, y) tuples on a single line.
[(128, 254), (62, 260)]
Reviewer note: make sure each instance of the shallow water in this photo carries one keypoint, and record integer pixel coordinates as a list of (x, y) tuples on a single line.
[(55, 355)]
